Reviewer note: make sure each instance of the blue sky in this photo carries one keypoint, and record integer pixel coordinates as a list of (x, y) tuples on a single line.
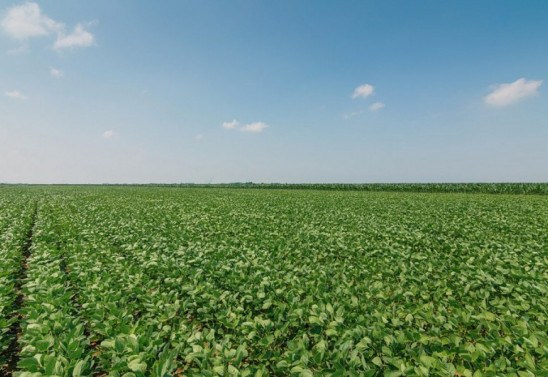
[(284, 91)]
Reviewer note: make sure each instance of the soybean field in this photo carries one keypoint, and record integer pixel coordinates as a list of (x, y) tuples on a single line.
[(239, 281)]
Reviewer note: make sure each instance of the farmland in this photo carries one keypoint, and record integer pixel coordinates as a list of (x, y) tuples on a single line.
[(197, 281)]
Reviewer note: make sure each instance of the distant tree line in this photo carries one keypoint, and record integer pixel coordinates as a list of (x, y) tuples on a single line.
[(477, 188)]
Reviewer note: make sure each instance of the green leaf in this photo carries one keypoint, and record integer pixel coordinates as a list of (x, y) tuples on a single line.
[(137, 366), (427, 361), (78, 368)]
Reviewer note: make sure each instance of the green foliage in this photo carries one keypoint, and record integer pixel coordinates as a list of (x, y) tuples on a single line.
[(15, 215), (130, 281), (52, 342)]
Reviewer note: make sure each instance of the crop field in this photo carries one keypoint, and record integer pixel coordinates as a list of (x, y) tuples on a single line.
[(181, 281)]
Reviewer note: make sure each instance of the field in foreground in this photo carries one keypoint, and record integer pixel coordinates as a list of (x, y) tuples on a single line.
[(144, 281)]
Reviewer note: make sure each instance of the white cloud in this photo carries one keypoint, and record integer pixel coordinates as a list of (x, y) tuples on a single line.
[(109, 134), (27, 21), (509, 93), (199, 137), (254, 127), (376, 106), (15, 95), (54, 72), (363, 91), (79, 37), (230, 125)]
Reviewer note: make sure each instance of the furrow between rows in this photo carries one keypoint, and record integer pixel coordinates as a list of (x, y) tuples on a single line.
[(14, 252), (52, 338)]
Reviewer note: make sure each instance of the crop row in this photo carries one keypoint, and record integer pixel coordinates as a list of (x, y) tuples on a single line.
[(15, 220), (52, 340)]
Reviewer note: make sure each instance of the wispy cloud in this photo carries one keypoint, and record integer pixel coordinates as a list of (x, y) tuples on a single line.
[(254, 127), (199, 137), (79, 37), (509, 93), (363, 91), (23, 49), (352, 114), (230, 125), (54, 72), (26, 21), (109, 134), (15, 94), (376, 106)]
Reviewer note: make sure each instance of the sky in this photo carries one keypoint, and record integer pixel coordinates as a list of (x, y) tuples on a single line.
[(273, 91)]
